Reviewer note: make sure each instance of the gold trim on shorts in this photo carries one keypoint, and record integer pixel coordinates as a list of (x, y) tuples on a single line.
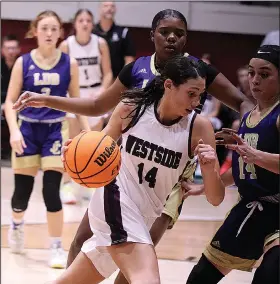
[(228, 261), (25, 162), (271, 238), (37, 160)]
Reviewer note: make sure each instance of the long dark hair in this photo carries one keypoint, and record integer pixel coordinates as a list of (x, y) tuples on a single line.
[(179, 69)]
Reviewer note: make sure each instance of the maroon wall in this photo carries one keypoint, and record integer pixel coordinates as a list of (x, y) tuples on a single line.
[(228, 51)]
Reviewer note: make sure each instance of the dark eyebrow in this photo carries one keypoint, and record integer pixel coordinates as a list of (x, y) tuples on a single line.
[(262, 68), (178, 29)]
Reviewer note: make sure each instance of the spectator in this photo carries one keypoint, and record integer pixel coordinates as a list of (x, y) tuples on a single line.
[(120, 43), (10, 51)]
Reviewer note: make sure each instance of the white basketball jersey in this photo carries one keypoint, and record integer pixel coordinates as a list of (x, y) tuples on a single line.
[(88, 58), (153, 158)]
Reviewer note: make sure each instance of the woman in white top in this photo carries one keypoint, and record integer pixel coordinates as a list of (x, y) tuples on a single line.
[(93, 57), (95, 75)]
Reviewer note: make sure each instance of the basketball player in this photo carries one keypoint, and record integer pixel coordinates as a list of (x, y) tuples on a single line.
[(37, 137), (252, 226), (121, 213), (95, 76), (169, 34)]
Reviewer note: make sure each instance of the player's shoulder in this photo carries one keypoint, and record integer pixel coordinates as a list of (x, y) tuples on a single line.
[(202, 123)]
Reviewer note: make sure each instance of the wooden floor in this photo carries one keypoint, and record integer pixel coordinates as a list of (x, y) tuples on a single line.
[(178, 250), (185, 241)]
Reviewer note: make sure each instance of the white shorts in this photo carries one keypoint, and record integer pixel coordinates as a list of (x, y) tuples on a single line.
[(90, 93), (114, 219)]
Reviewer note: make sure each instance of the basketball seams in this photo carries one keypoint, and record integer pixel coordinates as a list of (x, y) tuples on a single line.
[(103, 176), (117, 155), (79, 172), (112, 160), (75, 160)]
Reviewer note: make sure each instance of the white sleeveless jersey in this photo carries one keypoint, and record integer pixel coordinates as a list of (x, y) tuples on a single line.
[(153, 158), (88, 58)]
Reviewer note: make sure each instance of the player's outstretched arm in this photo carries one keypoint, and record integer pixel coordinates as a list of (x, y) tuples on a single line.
[(118, 120), (83, 106), (223, 90)]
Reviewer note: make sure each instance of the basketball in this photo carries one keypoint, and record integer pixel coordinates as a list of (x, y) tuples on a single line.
[(93, 159)]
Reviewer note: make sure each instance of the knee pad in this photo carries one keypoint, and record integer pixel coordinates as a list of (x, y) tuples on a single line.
[(51, 186), (23, 189), (268, 271), (204, 272)]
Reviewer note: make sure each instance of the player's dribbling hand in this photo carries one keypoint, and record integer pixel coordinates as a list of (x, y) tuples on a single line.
[(17, 142), (64, 149), (225, 136), (30, 99), (206, 155), (191, 189)]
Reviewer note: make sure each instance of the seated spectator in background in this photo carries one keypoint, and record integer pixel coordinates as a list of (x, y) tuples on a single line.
[(211, 108), (10, 51), (271, 38)]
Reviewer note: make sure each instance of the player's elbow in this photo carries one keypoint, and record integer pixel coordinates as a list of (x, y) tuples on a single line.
[(215, 200)]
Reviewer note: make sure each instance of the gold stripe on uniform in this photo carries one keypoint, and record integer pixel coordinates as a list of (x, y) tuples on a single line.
[(228, 261), (25, 162)]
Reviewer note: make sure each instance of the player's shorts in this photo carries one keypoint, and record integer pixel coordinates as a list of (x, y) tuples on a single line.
[(114, 219), (90, 93), (241, 239), (44, 142), (174, 202)]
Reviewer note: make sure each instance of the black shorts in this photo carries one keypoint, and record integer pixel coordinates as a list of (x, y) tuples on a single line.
[(240, 241)]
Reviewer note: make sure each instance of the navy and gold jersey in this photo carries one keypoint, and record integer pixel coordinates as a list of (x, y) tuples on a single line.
[(253, 181)]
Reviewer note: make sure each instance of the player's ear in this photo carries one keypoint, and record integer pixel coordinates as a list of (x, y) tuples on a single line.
[(152, 34)]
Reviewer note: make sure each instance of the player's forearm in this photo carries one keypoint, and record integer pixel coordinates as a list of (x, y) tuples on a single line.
[(81, 106), (83, 121), (268, 161), (213, 186), (11, 115), (107, 80)]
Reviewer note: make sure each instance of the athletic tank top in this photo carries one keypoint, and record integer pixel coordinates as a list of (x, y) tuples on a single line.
[(254, 182), (88, 58), (153, 158), (48, 80)]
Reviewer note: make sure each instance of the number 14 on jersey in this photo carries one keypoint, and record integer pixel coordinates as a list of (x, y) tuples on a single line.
[(150, 177)]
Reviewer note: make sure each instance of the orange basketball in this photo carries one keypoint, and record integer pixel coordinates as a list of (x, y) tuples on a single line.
[(93, 159)]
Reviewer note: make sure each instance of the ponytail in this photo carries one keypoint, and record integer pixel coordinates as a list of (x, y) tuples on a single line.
[(143, 98)]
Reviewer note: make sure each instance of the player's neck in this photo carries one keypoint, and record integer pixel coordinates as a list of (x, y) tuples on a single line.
[(48, 52), (166, 113), (264, 105), (106, 24), (83, 39)]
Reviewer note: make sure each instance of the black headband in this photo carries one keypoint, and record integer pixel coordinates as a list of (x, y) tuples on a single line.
[(270, 53)]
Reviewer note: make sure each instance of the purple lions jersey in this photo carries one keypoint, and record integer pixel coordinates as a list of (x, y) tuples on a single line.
[(52, 81), (254, 182)]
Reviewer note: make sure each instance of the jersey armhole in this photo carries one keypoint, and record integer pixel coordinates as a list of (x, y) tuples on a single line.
[(190, 136)]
